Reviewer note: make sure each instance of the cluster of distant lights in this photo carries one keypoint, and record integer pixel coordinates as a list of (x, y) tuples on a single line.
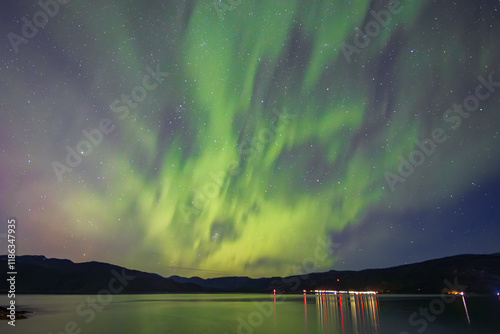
[(321, 292), (455, 293), (336, 292), (368, 292)]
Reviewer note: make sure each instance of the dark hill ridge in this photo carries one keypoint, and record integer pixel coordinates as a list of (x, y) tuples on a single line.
[(474, 274), (479, 273), (37, 274)]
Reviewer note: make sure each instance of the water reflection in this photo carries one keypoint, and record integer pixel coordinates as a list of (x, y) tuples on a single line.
[(249, 313), (466, 310), (305, 310), (347, 313)]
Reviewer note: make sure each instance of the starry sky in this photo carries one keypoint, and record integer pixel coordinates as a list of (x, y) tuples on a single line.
[(238, 137)]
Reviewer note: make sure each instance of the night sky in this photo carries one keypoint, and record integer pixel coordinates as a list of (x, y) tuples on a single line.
[(235, 137)]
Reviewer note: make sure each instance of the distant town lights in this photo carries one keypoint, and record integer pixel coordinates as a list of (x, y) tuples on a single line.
[(346, 292)]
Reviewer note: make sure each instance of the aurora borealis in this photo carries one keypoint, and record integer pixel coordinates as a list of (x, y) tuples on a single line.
[(239, 135)]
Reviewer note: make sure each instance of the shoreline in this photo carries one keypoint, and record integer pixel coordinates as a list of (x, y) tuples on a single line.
[(4, 313)]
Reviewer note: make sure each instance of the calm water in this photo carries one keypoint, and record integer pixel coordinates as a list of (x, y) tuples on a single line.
[(241, 313)]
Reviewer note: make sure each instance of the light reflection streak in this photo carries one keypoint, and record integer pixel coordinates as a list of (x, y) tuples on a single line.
[(305, 311), (363, 313), (341, 314), (275, 306), (348, 313), (466, 310)]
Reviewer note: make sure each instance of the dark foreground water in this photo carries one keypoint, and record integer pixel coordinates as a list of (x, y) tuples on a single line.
[(243, 313)]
